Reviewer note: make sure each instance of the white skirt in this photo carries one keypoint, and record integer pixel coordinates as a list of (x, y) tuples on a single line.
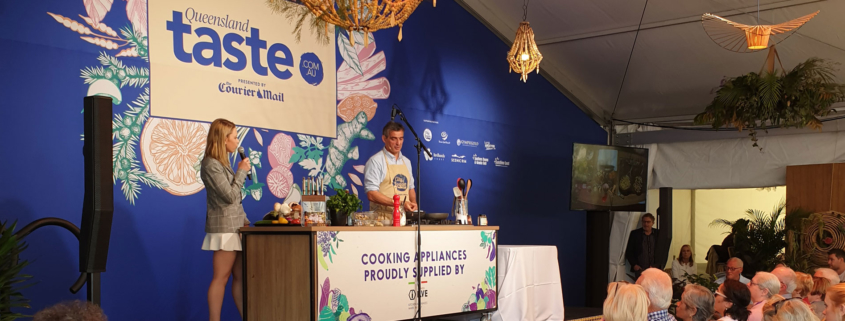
[(221, 242)]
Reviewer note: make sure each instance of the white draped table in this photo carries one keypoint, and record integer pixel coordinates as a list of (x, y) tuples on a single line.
[(529, 284)]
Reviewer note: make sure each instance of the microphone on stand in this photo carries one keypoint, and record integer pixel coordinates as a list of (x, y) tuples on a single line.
[(393, 112), (241, 152)]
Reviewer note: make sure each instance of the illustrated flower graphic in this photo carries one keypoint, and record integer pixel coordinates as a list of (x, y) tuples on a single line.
[(327, 242)]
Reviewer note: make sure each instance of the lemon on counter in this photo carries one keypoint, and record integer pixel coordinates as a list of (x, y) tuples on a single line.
[(282, 220), (275, 222)]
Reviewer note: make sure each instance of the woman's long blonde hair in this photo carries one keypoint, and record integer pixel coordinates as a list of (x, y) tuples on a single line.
[(681, 255), (625, 302), (836, 294), (215, 144)]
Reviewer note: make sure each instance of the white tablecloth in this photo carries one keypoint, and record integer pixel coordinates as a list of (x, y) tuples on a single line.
[(529, 284)]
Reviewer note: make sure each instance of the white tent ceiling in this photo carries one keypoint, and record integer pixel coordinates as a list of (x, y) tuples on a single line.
[(674, 67)]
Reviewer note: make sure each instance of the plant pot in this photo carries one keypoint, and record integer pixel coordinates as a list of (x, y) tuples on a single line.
[(339, 218)]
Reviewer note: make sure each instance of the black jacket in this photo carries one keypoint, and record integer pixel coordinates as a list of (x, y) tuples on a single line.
[(634, 248)]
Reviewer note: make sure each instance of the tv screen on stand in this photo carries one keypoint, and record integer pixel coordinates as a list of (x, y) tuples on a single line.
[(609, 178)]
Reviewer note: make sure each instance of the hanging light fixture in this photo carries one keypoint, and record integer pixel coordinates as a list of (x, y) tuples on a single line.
[(524, 56), (363, 15), (739, 37)]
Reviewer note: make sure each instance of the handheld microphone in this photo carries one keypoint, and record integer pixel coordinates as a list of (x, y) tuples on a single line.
[(393, 112), (241, 152)]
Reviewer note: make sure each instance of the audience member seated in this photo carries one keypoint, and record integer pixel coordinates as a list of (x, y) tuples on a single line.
[(658, 286), (733, 272), (696, 304), (816, 298), (762, 287), (834, 299), (836, 262), (803, 285), (71, 311), (732, 300), (780, 309), (684, 264), (786, 276), (625, 302), (828, 274)]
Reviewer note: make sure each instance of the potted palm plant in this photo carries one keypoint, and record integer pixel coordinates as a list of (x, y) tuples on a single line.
[(341, 205), (775, 99), (759, 239)]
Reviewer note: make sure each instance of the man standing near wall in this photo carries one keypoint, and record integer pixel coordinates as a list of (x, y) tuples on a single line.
[(641, 246)]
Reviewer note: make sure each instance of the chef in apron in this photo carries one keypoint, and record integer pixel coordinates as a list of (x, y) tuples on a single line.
[(388, 173)]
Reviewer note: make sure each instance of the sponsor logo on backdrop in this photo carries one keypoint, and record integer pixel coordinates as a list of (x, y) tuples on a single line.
[(459, 159), (434, 156), (236, 54), (479, 160), (501, 163), (467, 143), (443, 137), (427, 134), (489, 146)]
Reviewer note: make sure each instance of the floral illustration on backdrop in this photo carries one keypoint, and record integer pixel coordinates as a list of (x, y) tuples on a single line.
[(484, 295), (334, 306), (171, 150), (357, 90), (488, 241), (327, 242)]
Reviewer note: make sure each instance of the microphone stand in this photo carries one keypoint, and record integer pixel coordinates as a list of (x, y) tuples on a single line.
[(420, 147)]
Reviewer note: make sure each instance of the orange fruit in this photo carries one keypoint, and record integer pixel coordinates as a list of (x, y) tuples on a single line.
[(350, 106), (171, 149)]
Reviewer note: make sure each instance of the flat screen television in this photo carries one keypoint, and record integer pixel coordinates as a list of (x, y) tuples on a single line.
[(608, 178)]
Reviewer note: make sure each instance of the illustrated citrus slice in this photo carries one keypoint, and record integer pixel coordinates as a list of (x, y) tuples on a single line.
[(171, 149), (280, 151), (354, 104), (279, 180)]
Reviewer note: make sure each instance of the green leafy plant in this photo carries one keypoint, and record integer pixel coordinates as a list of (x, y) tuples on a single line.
[(12, 281), (796, 256), (788, 99), (760, 239), (704, 280), (344, 202)]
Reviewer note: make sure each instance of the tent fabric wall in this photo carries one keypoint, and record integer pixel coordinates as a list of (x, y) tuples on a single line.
[(623, 224), (735, 163)]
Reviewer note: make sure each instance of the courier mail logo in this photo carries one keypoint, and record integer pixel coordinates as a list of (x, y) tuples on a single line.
[(233, 51)]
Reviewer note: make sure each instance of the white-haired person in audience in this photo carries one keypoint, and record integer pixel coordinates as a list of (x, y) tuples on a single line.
[(733, 271), (828, 274), (658, 286), (696, 304), (786, 276), (816, 297), (778, 308), (625, 302), (762, 287)]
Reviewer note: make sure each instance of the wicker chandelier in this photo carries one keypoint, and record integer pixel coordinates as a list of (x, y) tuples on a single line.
[(739, 37), (524, 56), (363, 15)]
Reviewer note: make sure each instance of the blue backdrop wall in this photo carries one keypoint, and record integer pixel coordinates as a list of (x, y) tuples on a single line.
[(449, 75)]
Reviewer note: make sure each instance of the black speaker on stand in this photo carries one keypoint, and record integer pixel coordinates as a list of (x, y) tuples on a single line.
[(98, 200), (664, 224), (598, 257)]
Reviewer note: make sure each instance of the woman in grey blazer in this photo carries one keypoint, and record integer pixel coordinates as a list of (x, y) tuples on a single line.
[(225, 214)]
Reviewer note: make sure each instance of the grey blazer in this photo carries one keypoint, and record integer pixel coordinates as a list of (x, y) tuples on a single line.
[(225, 213)]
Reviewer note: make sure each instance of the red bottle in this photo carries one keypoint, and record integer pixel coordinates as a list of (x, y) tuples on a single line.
[(396, 215)]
